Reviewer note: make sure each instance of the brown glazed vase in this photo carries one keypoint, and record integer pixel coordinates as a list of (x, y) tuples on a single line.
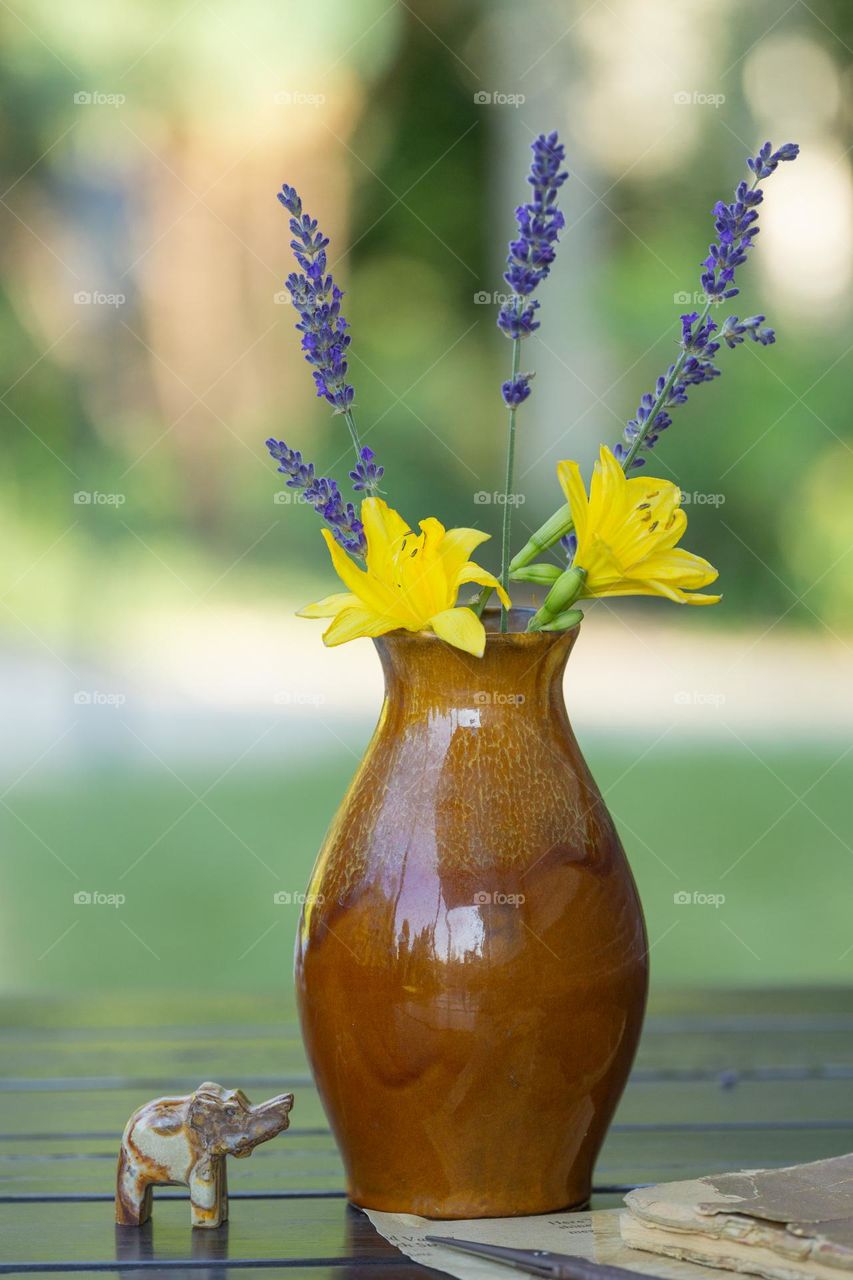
[(472, 964)]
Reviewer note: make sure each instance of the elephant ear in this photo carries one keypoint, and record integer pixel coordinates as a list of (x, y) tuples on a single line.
[(206, 1102), (214, 1090)]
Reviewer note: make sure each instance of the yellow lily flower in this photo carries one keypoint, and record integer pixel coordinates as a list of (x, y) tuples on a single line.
[(627, 532), (410, 581)]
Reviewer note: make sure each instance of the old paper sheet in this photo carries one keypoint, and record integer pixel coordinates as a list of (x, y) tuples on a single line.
[(587, 1235)]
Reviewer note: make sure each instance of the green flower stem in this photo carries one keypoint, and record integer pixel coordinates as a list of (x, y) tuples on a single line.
[(353, 431), (372, 490), (510, 471), (479, 604)]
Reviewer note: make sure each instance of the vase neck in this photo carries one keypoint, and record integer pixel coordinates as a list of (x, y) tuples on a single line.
[(517, 669)]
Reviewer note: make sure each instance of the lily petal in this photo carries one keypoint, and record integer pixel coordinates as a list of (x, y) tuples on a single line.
[(370, 590), (569, 475), (462, 628), (680, 568), (427, 575), (472, 572), (456, 548), (329, 605), (655, 587), (350, 624), (384, 531)]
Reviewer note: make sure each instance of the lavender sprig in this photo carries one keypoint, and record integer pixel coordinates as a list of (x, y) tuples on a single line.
[(701, 339), (528, 263), (325, 332), (736, 226), (322, 494), (532, 253)]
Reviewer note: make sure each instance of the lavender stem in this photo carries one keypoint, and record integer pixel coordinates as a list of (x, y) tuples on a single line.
[(510, 471)]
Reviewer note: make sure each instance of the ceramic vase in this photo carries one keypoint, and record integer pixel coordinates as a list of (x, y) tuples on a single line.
[(472, 963)]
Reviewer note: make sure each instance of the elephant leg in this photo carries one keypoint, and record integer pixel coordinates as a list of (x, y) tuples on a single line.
[(147, 1203), (133, 1196), (133, 1204), (205, 1198), (223, 1190)]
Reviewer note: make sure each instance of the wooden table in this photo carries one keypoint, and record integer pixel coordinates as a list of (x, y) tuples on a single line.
[(722, 1081)]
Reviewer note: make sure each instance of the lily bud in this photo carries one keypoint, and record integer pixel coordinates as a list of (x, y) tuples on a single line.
[(565, 590), (561, 597), (555, 528), (564, 621), (545, 575)]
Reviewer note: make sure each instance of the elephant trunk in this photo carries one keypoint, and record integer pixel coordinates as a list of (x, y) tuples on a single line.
[(269, 1118)]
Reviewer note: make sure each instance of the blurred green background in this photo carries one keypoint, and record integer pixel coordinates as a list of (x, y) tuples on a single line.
[(173, 737)]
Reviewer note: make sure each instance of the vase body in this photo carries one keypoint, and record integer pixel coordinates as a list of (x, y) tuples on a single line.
[(471, 964)]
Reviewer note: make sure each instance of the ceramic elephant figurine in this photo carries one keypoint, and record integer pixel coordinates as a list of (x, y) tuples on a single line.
[(184, 1141)]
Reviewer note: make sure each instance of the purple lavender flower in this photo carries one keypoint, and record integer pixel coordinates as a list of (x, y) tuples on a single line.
[(322, 494), (318, 301), (736, 227), (569, 543), (516, 390), (733, 330), (366, 474), (767, 159), (325, 332), (518, 323), (531, 254), (325, 339)]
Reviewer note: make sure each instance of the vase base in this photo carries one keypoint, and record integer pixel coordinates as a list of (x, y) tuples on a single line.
[(462, 1212)]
